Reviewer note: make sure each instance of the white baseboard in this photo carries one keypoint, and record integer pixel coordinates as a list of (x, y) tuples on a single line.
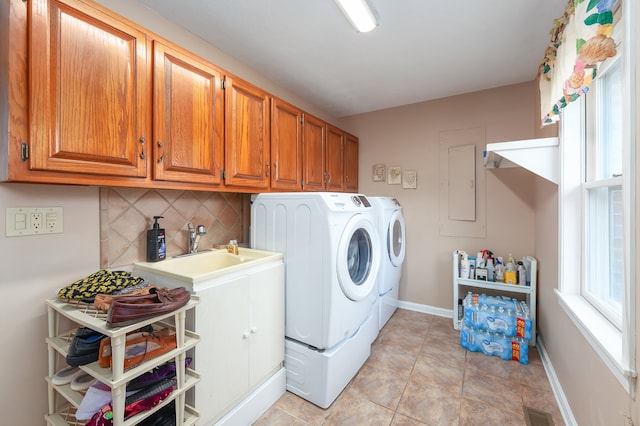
[(425, 309), (256, 404), (561, 399)]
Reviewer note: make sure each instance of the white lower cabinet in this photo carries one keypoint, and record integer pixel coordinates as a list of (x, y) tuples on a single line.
[(242, 321), (240, 356)]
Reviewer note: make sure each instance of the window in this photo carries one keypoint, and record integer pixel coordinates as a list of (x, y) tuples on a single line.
[(602, 284), (597, 212)]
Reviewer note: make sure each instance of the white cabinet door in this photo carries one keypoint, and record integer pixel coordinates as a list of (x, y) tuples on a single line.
[(223, 323), (267, 324)]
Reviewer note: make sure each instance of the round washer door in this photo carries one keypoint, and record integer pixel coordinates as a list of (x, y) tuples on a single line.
[(358, 257), (396, 238)]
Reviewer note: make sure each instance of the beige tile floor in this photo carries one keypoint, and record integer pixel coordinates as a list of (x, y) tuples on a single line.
[(418, 374)]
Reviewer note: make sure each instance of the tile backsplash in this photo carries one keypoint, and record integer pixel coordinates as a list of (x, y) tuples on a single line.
[(127, 213)]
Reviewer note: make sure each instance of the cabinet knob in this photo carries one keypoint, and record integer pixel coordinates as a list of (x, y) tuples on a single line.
[(253, 330), (245, 335)]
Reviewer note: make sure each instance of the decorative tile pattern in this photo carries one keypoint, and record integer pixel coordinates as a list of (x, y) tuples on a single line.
[(418, 375), (127, 213)]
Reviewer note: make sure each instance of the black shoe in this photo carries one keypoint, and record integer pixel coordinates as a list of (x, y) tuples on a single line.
[(84, 347), (166, 416)]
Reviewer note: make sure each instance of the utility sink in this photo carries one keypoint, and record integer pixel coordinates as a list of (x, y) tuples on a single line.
[(207, 265)]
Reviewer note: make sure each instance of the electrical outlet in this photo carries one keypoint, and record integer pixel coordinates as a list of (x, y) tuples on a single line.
[(21, 221), (36, 220)]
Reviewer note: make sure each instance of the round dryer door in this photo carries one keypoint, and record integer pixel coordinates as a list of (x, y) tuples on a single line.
[(357, 263), (395, 239)]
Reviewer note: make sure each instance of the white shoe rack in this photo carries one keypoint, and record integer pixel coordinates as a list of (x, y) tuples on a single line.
[(64, 318)]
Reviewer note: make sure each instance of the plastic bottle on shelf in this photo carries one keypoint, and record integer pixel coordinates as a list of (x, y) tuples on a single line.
[(510, 275), (490, 270), (499, 271), (464, 265), (522, 273)]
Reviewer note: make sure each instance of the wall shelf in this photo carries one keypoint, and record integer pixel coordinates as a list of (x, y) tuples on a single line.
[(539, 156)]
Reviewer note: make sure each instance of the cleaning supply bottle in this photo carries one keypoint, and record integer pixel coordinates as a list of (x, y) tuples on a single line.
[(490, 270), (510, 274), (522, 273), (156, 244), (464, 265), (499, 270)]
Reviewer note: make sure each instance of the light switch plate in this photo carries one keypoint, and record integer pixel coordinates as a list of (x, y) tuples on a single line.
[(21, 221)]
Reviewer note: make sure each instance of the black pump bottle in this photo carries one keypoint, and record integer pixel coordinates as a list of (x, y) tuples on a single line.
[(156, 245)]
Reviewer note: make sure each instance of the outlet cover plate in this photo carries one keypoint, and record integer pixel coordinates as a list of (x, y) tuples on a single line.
[(21, 221)]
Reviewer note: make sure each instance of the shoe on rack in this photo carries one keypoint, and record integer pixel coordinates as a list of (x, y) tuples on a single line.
[(125, 310), (104, 353), (82, 382), (66, 375), (103, 301), (150, 378), (84, 347), (139, 347), (166, 416)]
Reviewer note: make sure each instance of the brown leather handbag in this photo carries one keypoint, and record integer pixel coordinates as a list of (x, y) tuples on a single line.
[(129, 309)]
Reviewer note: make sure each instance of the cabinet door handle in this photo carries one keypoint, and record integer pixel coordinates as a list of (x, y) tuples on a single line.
[(267, 170), (245, 335), (162, 154), (142, 147), (275, 170), (253, 330)]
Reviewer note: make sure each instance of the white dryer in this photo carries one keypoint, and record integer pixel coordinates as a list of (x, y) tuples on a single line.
[(331, 252), (391, 228)]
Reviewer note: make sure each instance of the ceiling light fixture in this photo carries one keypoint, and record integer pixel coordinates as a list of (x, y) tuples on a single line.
[(358, 13)]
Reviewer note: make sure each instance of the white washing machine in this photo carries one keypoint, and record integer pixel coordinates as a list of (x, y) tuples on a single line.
[(391, 229), (331, 252)]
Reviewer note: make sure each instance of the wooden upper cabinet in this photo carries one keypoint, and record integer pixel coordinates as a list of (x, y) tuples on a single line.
[(313, 153), (89, 91), (334, 163), (188, 117), (350, 163), (286, 146), (247, 134)]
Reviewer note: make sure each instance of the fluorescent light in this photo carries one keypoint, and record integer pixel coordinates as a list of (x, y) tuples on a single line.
[(358, 13)]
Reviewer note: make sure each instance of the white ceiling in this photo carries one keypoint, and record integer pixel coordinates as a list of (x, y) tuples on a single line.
[(421, 49)]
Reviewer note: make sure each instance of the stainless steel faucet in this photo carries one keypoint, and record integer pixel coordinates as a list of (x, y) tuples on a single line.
[(194, 236)]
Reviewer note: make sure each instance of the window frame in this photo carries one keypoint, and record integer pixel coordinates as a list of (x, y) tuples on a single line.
[(592, 111)]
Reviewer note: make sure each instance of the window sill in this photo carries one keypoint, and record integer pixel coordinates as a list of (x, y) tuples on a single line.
[(605, 339)]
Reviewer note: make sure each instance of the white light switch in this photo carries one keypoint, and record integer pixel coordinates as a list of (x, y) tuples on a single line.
[(22, 221)]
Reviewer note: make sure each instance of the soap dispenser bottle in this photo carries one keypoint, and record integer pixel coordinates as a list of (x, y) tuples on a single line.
[(156, 244)]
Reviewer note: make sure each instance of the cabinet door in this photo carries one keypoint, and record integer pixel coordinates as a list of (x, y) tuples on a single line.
[(350, 163), (334, 165), (222, 356), (266, 323), (313, 153), (246, 135), (188, 117), (88, 91), (286, 146)]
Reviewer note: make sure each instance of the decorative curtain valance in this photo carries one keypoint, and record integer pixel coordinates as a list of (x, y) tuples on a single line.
[(580, 40)]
